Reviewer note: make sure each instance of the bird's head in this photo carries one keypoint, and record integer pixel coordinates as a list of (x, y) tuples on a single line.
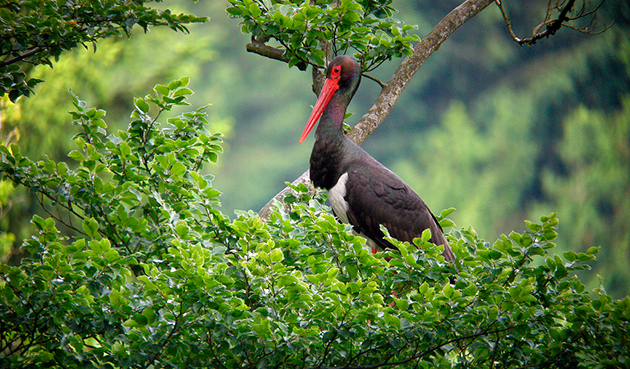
[(342, 80)]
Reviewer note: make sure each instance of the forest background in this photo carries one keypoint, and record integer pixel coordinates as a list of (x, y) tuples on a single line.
[(498, 131)]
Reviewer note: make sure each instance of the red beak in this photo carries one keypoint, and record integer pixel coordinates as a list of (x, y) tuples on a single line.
[(330, 87)]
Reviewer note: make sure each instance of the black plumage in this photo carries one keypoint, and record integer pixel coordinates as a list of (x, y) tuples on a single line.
[(362, 191)]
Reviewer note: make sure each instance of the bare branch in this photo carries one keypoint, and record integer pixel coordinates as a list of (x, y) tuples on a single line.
[(550, 25)]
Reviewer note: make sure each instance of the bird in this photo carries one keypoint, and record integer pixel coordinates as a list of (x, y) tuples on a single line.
[(362, 191)]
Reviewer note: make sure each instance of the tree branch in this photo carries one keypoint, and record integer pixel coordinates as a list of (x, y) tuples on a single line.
[(394, 88), (21, 57), (305, 178), (259, 47), (551, 25)]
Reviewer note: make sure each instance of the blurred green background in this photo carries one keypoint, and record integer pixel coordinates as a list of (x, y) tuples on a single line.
[(500, 132)]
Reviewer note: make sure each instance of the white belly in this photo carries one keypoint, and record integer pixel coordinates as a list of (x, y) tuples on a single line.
[(336, 197)]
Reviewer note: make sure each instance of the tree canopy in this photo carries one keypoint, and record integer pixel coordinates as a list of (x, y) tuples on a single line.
[(156, 276)]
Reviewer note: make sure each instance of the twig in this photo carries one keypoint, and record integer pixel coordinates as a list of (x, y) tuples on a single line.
[(374, 79)]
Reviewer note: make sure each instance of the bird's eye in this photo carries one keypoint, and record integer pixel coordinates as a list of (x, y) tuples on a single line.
[(336, 71)]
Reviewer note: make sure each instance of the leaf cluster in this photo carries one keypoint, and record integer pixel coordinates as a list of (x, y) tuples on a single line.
[(153, 275), (34, 32), (300, 27)]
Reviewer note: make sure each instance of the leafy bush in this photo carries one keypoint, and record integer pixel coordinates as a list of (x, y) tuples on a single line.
[(148, 273), (300, 28)]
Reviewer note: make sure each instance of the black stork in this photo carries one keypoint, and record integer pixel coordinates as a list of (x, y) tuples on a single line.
[(362, 191)]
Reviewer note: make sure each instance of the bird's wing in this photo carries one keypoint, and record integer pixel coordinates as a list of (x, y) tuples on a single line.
[(379, 197)]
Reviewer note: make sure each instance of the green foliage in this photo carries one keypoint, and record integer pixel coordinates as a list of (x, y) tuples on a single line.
[(38, 31), (117, 174), (156, 276), (109, 78), (494, 112), (300, 27)]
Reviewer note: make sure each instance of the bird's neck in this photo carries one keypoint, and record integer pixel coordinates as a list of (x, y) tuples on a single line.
[(333, 115), (330, 143)]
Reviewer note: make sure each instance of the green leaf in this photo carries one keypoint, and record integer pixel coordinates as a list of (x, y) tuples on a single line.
[(116, 299), (255, 10), (76, 155), (162, 89), (183, 92), (125, 150), (141, 105), (448, 291), (426, 235), (276, 255), (148, 283), (182, 229), (174, 85), (90, 227), (178, 169)]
